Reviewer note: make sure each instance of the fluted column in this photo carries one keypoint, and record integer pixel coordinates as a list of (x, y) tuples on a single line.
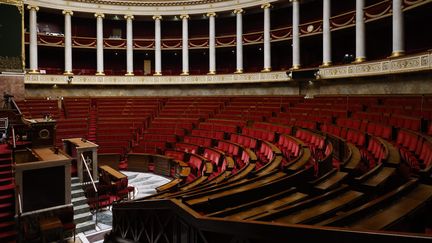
[(360, 32), (212, 43), (267, 50), (33, 39), (185, 44), (68, 42), (398, 29), (327, 59), (129, 45), (158, 54), (99, 44), (296, 35), (239, 40)]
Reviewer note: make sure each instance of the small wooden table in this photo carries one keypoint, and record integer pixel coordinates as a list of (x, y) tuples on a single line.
[(114, 174), (51, 226)]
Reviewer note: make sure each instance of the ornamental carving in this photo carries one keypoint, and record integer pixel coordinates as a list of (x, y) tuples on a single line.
[(405, 64)]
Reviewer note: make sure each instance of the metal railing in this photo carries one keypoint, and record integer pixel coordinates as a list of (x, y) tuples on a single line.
[(94, 187)]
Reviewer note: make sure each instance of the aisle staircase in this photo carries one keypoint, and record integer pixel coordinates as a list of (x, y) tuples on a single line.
[(7, 196), (82, 216), (92, 124)]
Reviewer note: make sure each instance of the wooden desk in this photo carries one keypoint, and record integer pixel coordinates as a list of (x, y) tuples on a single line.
[(47, 154), (78, 142), (115, 174), (51, 226)]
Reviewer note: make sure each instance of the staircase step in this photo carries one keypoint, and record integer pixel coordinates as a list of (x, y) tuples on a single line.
[(79, 201), (6, 174), (81, 209), (8, 236), (75, 180), (85, 226), (5, 216), (6, 181), (8, 225), (7, 198), (75, 186), (6, 188), (82, 217), (77, 193)]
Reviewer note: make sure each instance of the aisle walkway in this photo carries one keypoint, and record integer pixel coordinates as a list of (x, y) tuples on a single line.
[(144, 183)]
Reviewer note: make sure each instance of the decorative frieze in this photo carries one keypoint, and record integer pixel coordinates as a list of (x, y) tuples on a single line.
[(404, 64), (158, 80)]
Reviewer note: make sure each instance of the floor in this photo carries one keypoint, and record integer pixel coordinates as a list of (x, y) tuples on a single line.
[(144, 183)]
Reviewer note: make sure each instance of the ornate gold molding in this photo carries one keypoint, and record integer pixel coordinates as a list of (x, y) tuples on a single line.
[(129, 16), (65, 12), (184, 16), (30, 7), (266, 5), (155, 17), (238, 11), (99, 15)]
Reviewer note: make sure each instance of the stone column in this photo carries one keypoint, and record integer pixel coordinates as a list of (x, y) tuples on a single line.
[(296, 35), (33, 40), (129, 45), (267, 50), (239, 40), (68, 42), (99, 43), (360, 32), (398, 29), (158, 54), (327, 59), (185, 44), (212, 43)]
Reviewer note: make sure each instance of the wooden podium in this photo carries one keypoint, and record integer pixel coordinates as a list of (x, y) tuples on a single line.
[(75, 147), (42, 132)]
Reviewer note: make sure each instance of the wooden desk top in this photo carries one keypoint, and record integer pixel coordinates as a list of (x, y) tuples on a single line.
[(115, 173), (81, 144), (47, 154), (50, 223)]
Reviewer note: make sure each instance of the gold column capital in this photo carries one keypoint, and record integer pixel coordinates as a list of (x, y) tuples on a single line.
[(99, 15), (65, 12), (212, 14), (266, 5), (31, 7), (238, 11), (155, 17), (184, 16), (129, 16)]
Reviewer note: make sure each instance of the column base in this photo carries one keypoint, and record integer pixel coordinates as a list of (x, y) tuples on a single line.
[(157, 74), (211, 73), (129, 74), (184, 73), (33, 71), (397, 54), (295, 67), (68, 73), (326, 64), (268, 69), (359, 60), (239, 71), (100, 74)]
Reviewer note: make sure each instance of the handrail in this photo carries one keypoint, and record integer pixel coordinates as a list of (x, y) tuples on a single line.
[(94, 187), (20, 210), (88, 172)]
